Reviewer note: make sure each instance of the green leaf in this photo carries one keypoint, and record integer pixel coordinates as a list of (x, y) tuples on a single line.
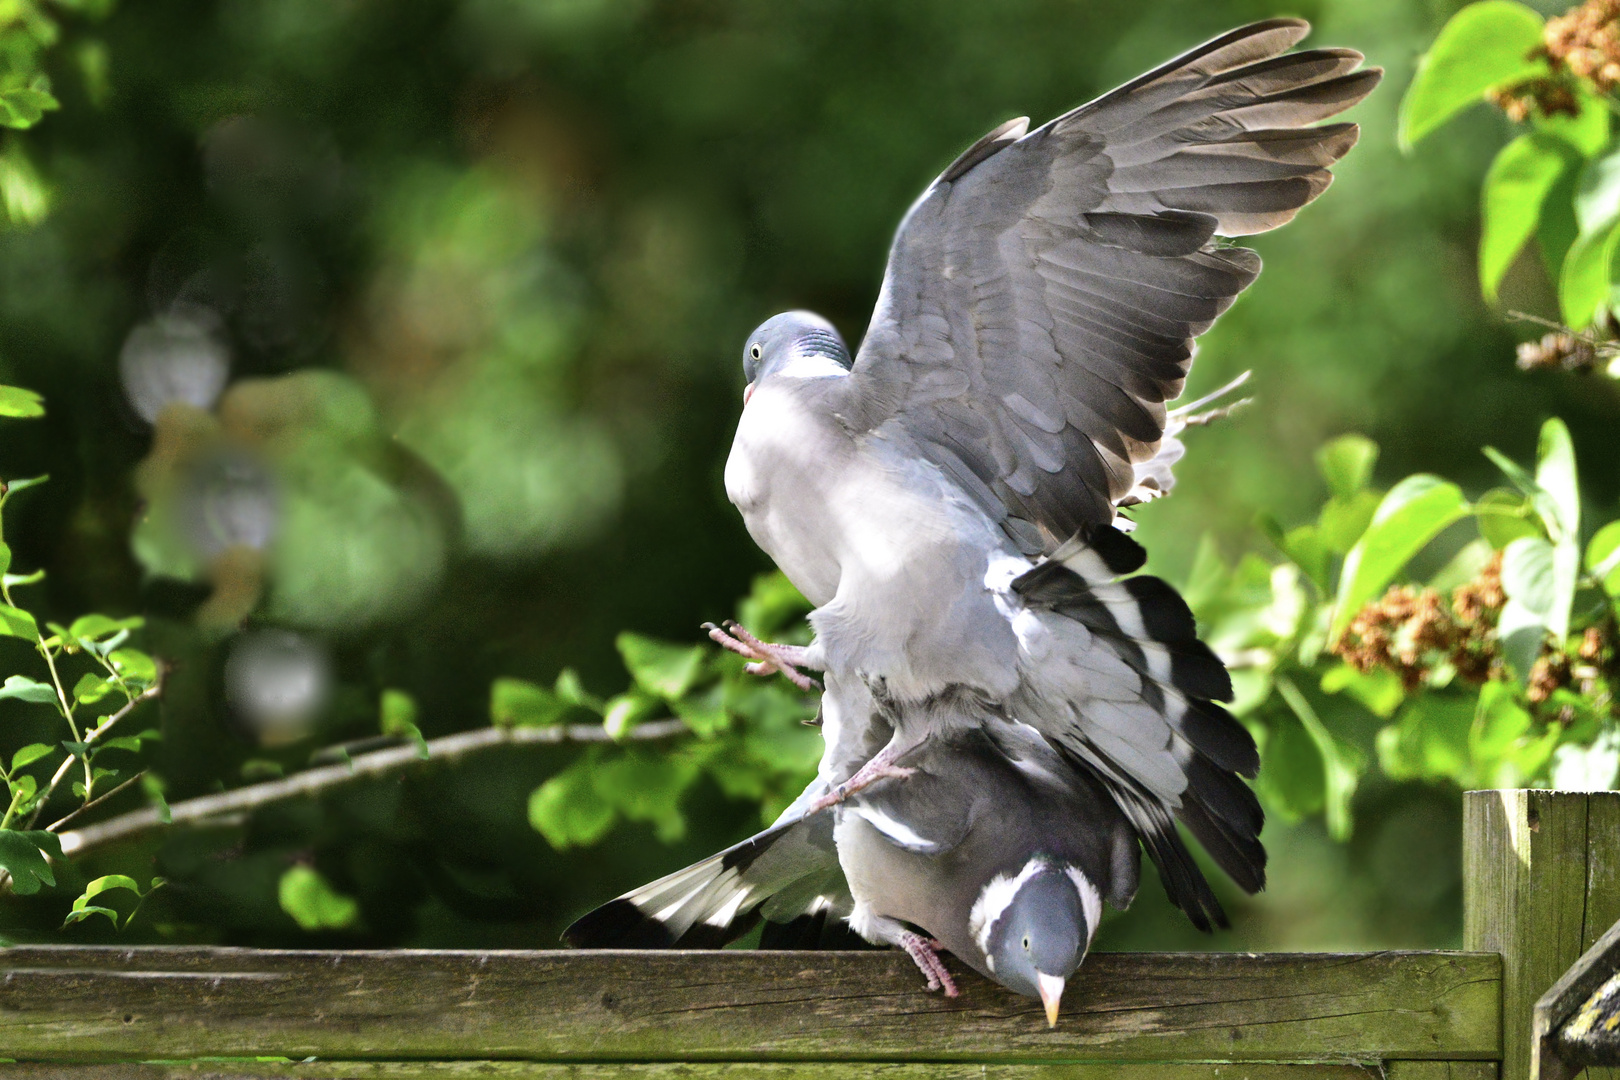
[(1587, 132), (1379, 690), (19, 403), (772, 604), (1341, 763), (23, 107), (1429, 740), (23, 788), (1603, 557), (397, 712), (23, 855), (516, 703), (668, 671), (1519, 180), (704, 713), (1413, 513), (1528, 574), (14, 622), (1344, 520), (571, 690), (1597, 194), (1504, 516), (1556, 475), (80, 914), (91, 688), (106, 884), (312, 901), (136, 668), (1483, 46), (1583, 282), (14, 486), (152, 784), (1556, 231), (568, 810), (1499, 721), (1293, 780), (25, 689), (647, 787), (1347, 463), (30, 754), (96, 627)]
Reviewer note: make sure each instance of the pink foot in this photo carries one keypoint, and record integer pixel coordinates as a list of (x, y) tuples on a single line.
[(865, 777), (924, 953), (768, 658)]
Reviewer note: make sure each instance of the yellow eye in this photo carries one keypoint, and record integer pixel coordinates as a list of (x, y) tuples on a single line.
[(755, 351), (1026, 944)]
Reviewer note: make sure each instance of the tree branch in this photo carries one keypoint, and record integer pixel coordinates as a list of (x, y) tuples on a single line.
[(379, 763)]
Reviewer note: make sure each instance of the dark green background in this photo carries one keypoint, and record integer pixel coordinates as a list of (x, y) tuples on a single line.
[(536, 232)]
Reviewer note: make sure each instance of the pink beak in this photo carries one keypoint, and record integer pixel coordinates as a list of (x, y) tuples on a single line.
[(1051, 988), (748, 392)]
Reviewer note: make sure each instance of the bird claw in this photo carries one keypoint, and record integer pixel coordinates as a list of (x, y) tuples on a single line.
[(923, 952), (864, 777), (766, 658)]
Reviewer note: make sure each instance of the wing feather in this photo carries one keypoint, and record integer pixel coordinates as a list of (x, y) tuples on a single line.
[(1060, 275)]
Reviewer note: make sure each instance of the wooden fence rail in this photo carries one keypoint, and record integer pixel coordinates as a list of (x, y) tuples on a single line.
[(1542, 867)]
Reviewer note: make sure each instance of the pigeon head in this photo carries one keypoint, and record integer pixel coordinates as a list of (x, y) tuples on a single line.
[(794, 344), (1035, 928)]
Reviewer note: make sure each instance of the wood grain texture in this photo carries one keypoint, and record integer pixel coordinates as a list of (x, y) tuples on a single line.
[(1536, 879), (1442, 1070), (512, 1070), (60, 1002)]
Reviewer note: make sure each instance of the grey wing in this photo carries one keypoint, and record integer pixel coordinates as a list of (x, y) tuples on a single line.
[(1042, 297)]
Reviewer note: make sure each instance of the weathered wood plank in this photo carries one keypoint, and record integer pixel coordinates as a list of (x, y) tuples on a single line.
[(75, 1003), (1442, 1070), (1602, 882), (513, 1070), (1524, 896)]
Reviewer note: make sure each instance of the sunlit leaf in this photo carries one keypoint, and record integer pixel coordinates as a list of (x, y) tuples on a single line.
[(23, 106), (1499, 721), (397, 716), (1344, 520), (23, 688), (1293, 779), (1379, 690), (134, 666), (92, 688), (1603, 557), (1346, 463), (626, 710), (1587, 131), (514, 702), (96, 627), (668, 671), (571, 690), (1484, 45), (647, 787), (1524, 172), (22, 854), (30, 754), (1429, 739), (1583, 282), (20, 403), (1413, 513), (15, 622), (772, 605), (312, 901), (567, 809)]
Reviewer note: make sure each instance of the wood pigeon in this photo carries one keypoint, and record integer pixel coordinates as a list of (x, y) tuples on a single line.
[(947, 500)]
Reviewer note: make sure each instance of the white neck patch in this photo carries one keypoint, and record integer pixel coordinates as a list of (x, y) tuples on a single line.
[(992, 902), (1090, 900), (811, 366)]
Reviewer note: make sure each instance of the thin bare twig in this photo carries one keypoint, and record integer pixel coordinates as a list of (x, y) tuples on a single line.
[(315, 781), (101, 729), (61, 822)]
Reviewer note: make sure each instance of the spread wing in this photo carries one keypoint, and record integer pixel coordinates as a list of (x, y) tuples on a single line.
[(1042, 297)]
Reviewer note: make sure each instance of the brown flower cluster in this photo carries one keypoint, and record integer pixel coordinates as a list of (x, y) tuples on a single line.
[(1586, 41), (1409, 631), (1540, 96), (1558, 351)]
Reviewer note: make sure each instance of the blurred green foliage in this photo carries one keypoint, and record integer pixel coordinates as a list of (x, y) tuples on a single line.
[(406, 336)]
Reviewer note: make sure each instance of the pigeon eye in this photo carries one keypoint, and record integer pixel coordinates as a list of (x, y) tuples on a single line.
[(1026, 943), (755, 351)]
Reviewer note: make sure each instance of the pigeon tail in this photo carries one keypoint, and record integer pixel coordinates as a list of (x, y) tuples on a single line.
[(1147, 718)]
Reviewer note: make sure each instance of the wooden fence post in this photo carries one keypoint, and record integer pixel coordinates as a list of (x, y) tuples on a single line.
[(1541, 883)]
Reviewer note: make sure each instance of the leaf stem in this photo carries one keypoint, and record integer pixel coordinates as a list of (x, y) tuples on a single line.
[(100, 730)]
